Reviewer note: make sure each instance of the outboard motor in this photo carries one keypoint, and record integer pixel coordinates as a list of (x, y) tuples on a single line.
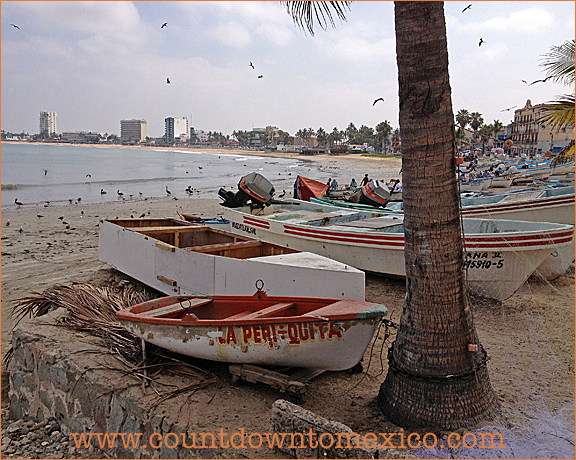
[(372, 194), (252, 188)]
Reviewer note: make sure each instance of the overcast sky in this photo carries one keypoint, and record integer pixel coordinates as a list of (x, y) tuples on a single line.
[(95, 63)]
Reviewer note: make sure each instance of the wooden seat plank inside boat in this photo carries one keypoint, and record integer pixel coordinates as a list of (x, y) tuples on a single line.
[(185, 305), (243, 249), (270, 311)]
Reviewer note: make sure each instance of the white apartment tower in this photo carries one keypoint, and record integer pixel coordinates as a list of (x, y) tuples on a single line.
[(48, 123), (133, 130), (176, 127)]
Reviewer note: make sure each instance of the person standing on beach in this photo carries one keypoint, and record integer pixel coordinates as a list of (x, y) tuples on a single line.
[(365, 180)]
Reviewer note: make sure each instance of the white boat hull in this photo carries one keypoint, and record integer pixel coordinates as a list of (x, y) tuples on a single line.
[(328, 345), (180, 271), (505, 265)]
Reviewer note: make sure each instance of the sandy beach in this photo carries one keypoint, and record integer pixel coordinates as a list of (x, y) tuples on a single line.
[(529, 337)]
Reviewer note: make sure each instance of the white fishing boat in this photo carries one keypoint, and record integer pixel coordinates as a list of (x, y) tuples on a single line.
[(176, 257), (314, 333), (550, 205), (500, 254), (502, 181)]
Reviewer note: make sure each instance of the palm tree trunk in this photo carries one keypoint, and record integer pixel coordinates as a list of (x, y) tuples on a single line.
[(433, 380)]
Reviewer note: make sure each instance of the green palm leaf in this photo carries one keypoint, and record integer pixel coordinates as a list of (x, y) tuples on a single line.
[(304, 12)]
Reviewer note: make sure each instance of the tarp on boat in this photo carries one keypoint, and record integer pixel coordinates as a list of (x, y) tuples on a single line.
[(309, 188)]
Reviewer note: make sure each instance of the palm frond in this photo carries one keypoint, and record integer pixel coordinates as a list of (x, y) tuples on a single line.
[(560, 113), (559, 63), (305, 13)]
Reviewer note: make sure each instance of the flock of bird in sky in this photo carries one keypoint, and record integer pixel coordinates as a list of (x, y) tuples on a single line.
[(165, 24)]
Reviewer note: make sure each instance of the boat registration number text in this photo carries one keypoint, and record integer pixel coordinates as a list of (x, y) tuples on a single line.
[(481, 260)]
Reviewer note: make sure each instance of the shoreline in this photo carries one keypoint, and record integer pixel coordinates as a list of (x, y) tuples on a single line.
[(347, 157)]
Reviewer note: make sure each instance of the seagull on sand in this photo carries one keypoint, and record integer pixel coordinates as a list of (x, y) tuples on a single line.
[(21, 229), (142, 215), (8, 223), (163, 25), (119, 193), (283, 194), (467, 8), (17, 202), (168, 191), (480, 42), (379, 99), (102, 191), (39, 215), (14, 25), (61, 217)]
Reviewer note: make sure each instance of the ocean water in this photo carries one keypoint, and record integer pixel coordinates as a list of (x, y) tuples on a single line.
[(34, 174)]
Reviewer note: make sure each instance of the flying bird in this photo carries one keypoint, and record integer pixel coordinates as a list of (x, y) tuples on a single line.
[(467, 8), (508, 109), (379, 99), (538, 81), (17, 202), (163, 25), (524, 81), (283, 194), (14, 25), (260, 76), (251, 65), (481, 41), (168, 80), (45, 171)]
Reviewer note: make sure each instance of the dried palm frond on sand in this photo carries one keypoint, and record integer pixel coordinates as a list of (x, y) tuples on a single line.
[(92, 309)]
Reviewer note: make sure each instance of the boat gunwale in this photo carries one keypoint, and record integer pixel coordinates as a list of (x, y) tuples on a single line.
[(372, 310)]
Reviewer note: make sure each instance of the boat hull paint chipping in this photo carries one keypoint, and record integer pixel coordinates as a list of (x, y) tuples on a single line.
[(315, 333)]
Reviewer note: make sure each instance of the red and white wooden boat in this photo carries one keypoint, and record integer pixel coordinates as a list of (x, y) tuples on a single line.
[(315, 333), (500, 254)]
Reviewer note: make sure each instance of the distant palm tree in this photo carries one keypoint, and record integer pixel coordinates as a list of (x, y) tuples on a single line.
[(435, 378), (351, 132), (497, 126), (463, 118), (322, 137), (559, 64), (383, 131)]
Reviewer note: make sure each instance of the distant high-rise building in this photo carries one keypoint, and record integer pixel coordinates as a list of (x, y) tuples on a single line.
[(133, 130), (48, 123), (176, 127)]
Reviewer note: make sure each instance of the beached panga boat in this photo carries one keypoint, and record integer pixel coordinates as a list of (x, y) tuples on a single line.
[(500, 254), (177, 257), (550, 205), (315, 333)]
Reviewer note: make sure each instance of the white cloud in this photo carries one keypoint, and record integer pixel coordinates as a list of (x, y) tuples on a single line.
[(530, 21), (355, 44), (232, 33)]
